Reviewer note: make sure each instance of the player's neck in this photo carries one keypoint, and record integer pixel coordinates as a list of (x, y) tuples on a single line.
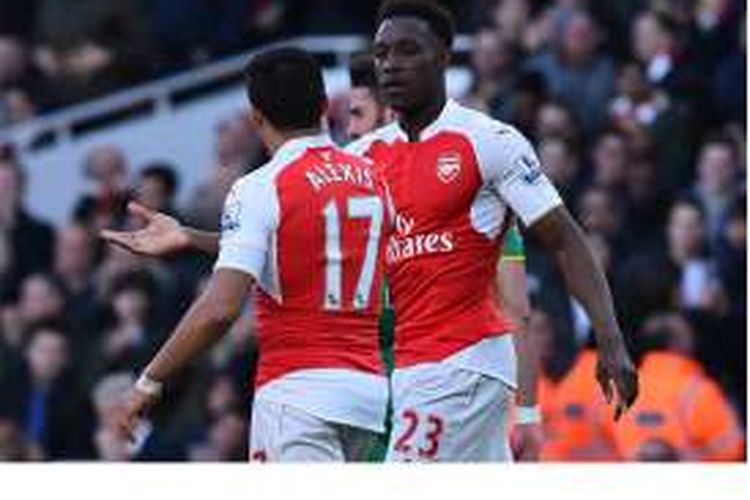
[(414, 123), (277, 139)]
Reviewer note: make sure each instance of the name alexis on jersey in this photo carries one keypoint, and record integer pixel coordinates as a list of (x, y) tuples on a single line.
[(320, 176), (404, 245)]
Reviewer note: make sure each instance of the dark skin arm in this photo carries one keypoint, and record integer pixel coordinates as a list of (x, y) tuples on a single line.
[(564, 241), (207, 320)]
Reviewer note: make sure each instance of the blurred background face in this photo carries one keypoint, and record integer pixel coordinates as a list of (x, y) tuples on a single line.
[(558, 162), (717, 168), (686, 231), (554, 120), (39, 299), (73, 252), (579, 37), (610, 160), (647, 39), (152, 193), (47, 355), (228, 436), (131, 305), (236, 141), (12, 61), (365, 114), (597, 212), (107, 167), (491, 57)]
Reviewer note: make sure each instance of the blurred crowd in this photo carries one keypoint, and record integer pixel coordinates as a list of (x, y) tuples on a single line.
[(637, 110)]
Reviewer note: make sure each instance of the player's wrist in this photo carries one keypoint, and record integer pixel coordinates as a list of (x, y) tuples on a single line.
[(149, 386), (527, 415)]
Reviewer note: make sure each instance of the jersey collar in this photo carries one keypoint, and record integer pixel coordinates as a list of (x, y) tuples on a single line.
[(298, 145), (437, 125)]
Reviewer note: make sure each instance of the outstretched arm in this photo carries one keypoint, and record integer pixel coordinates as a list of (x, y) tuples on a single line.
[(564, 241), (207, 320), (162, 235)]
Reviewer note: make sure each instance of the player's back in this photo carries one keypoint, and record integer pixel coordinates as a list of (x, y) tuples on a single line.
[(319, 300)]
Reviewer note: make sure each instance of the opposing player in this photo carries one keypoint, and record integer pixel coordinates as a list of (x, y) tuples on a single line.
[(455, 178), (306, 230)]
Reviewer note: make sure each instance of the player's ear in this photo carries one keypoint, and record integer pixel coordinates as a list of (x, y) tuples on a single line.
[(257, 118)]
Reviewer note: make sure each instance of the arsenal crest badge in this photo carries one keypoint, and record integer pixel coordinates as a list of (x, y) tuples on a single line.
[(448, 166)]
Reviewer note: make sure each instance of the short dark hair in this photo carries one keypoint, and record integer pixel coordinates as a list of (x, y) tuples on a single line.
[(165, 173), (286, 85), (362, 71), (439, 19)]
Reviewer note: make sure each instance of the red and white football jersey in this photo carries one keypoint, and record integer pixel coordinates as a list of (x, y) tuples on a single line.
[(310, 227), (453, 192)]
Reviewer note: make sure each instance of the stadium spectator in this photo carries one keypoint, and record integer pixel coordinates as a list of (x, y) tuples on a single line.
[(46, 397), (561, 164), (133, 334), (610, 160), (679, 404), (493, 66), (25, 242), (88, 47), (42, 298), (686, 237), (74, 265), (717, 185), (106, 168), (157, 187), (238, 150), (555, 119), (577, 73)]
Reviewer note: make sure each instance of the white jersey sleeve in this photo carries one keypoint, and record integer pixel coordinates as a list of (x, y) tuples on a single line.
[(511, 167), (248, 223)]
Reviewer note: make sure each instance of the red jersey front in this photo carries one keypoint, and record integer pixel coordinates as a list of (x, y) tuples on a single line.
[(309, 226), (450, 192)]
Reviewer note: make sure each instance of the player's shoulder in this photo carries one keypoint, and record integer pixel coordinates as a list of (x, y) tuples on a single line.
[(480, 126), (386, 134)]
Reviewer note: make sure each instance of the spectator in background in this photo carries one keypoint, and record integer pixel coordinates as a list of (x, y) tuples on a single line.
[(555, 119), (16, 104), (576, 72), (238, 150), (610, 160), (646, 207), (731, 257), (17, 17), (74, 265), (25, 242), (598, 213), (42, 298), (686, 238), (678, 403), (134, 333), (226, 440), (46, 398), (648, 117), (157, 187), (106, 169), (658, 42), (493, 66), (89, 47), (718, 183), (561, 164)]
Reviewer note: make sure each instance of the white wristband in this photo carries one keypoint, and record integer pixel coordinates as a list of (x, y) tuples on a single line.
[(528, 415), (148, 386)]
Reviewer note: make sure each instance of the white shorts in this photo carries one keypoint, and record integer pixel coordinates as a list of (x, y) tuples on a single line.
[(444, 413), (283, 433)]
